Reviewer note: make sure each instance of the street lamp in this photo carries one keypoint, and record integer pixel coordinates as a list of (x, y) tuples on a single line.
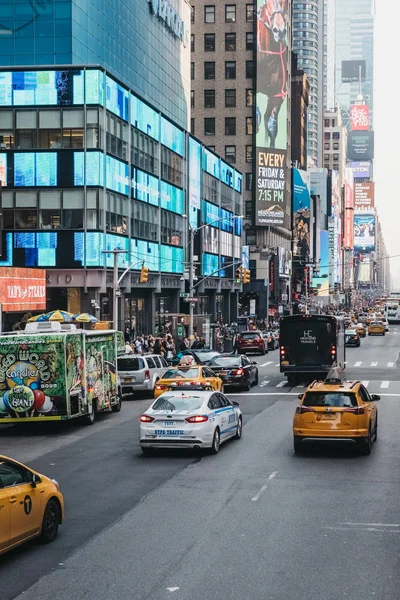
[(116, 290), (193, 231)]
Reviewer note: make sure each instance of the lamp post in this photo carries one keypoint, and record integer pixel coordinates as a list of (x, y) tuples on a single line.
[(192, 233), (116, 291)]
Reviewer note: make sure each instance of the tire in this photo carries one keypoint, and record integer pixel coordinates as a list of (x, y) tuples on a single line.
[(50, 523), (117, 406), (297, 444), (376, 431), (90, 417), (263, 352), (292, 380), (358, 345), (255, 382), (239, 429), (365, 444), (247, 386), (216, 442)]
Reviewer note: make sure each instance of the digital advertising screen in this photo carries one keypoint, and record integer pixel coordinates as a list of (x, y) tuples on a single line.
[(42, 88), (94, 86), (94, 168), (171, 259), (360, 145), (117, 176), (35, 169), (362, 169), (211, 163), (194, 182), (359, 117), (3, 169), (145, 188), (364, 195), (145, 118), (271, 114), (364, 232), (209, 264), (172, 137), (227, 174), (172, 198), (147, 251), (238, 182), (117, 99), (353, 70), (301, 213)]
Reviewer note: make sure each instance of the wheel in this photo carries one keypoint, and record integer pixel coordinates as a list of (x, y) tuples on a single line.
[(50, 523), (146, 450), (239, 429), (255, 382), (216, 442), (292, 380), (297, 444), (247, 385), (365, 444), (358, 345), (91, 416), (117, 406), (376, 431), (263, 352)]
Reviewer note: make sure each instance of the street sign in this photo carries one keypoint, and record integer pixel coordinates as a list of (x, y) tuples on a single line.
[(192, 299), (284, 297), (183, 295)]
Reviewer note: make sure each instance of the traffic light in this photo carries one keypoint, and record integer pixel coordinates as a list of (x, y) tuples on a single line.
[(239, 274), (144, 275), (246, 276)]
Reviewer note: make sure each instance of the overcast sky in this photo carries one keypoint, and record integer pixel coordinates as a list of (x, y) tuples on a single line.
[(387, 127)]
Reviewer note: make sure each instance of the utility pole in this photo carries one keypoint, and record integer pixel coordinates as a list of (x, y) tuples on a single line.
[(116, 290), (191, 281)]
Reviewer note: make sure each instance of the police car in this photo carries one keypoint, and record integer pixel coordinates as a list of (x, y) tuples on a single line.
[(188, 417)]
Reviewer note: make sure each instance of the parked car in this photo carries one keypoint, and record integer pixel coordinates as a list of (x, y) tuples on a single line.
[(140, 373), (251, 341), (237, 371)]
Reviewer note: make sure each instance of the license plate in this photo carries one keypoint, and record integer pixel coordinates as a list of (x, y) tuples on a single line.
[(328, 417), (169, 423), (285, 362), (168, 432), (129, 379)]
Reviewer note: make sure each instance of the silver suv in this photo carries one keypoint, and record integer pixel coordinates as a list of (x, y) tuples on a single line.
[(140, 373)]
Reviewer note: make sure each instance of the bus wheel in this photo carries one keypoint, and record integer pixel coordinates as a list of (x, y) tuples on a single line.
[(292, 380), (91, 416)]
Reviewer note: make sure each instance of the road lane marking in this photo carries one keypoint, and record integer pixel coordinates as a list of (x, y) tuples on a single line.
[(385, 384), (372, 524), (389, 395), (259, 493), (273, 475), (390, 364), (374, 364), (281, 384), (365, 383), (266, 364), (368, 529), (358, 364), (277, 365)]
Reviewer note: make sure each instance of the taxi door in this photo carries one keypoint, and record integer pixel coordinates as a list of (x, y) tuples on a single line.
[(210, 376), (4, 519), (24, 502)]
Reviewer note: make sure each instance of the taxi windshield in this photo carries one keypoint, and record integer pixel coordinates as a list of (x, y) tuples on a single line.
[(335, 399), (182, 373)]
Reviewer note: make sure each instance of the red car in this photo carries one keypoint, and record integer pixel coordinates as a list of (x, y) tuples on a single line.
[(251, 341)]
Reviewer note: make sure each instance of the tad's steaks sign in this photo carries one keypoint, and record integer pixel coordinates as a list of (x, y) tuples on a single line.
[(22, 289)]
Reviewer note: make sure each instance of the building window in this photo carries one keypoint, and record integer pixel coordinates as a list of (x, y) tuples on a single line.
[(326, 157), (333, 123), (230, 154), (249, 40), (249, 125), (336, 167), (192, 14), (209, 42), (230, 13), (209, 14), (192, 127), (192, 70), (327, 146), (212, 148), (248, 209), (249, 153), (249, 69), (249, 12), (336, 135), (192, 43), (248, 181), (336, 157), (326, 121), (230, 125), (230, 69), (327, 135), (191, 98), (249, 97), (336, 146), (209, 70), (209, 126), (209, 98), (251, 237), (230, 42), (230, 98)]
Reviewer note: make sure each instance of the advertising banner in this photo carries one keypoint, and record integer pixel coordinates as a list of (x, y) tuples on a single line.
[(301, 213), (194, 181), (335, 193), (364, 196), (332, 243), (22, 289), (364, 232), (271, 111), (364, 270), (322, 282), (360, 145), (284, 263), (362, 169), (359, 117), (245, 257), (348, 233), (351, 70)]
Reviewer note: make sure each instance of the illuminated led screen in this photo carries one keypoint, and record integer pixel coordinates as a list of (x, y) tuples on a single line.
[(145, 118), (172, 137), (94, 168), (117, 99), (209, 264), (238, 182), (31, 249), (172, 198), (42, 88), (211, 163), (171, 259), (147, 251), (145, 188), (94, 87), (227, 175), (35, 169), (117, 175), (3, 169)]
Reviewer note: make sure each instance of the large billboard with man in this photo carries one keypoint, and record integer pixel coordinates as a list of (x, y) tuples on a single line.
[(364, 232), (273, 54)]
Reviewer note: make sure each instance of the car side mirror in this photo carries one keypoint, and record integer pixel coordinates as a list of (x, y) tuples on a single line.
[(253, 362), (375, 397), (300, 396), (35, 480), (234, 403)]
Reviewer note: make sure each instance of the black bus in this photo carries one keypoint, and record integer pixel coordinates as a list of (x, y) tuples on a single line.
[(311, 345)]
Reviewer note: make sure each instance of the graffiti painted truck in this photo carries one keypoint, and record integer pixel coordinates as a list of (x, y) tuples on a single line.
[(51, 373)]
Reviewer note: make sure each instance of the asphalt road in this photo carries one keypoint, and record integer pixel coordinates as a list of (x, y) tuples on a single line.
[(256, 521)]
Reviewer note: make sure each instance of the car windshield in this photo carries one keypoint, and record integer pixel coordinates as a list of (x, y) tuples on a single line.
[(250, 335), (376, 323), (225, 361), (205, 356), (175, 402), (350, 332), (336, 399), (130, 364), (182, 372)]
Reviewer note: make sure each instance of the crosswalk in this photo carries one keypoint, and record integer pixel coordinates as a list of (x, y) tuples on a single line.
[(283, 383), (367, 363)]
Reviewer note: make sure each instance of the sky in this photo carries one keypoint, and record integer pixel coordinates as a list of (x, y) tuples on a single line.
[(387, 128)]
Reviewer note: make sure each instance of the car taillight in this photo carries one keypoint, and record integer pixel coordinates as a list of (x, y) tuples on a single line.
[(359, 410), (197, 419), (160, 387), (238, 372), (282, 350), (147, 374), (303, 409), (146, 419), (333, 350)]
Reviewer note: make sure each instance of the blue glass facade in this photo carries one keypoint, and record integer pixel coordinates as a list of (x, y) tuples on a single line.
[(124, 37)]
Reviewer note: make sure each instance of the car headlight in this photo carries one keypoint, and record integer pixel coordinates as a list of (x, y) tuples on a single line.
[(56, 484)]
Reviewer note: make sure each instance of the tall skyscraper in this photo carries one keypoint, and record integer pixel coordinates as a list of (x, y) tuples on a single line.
[(329, 54), (308, 43), (354, 27)]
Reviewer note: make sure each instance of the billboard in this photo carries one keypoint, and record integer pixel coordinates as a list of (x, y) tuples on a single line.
[(271, 111), (22, 289), (194, 182), (359, 117), (364, 232), (301, 213), (364, 196), (364, 269), (348, 233), (362, 169), (360, 145), (246, 257), (351, 70), (322, 282)]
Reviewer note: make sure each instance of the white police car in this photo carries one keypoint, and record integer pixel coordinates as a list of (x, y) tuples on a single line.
[(190, 418)]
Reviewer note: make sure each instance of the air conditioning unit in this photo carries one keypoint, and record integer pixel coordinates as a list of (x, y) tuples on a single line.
[(68, 327), (42, 327)]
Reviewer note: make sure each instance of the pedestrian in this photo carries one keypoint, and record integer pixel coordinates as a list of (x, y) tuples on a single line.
[(185, 344)]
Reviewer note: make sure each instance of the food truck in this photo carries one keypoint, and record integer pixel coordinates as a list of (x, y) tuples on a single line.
[(55, 372)]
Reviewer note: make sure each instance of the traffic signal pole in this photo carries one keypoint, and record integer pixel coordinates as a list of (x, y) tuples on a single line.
[(191, 281)]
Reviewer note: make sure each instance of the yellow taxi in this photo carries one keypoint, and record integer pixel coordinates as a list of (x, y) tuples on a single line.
[(31, 505), (336, 410), (188, 374), (376, 328)]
